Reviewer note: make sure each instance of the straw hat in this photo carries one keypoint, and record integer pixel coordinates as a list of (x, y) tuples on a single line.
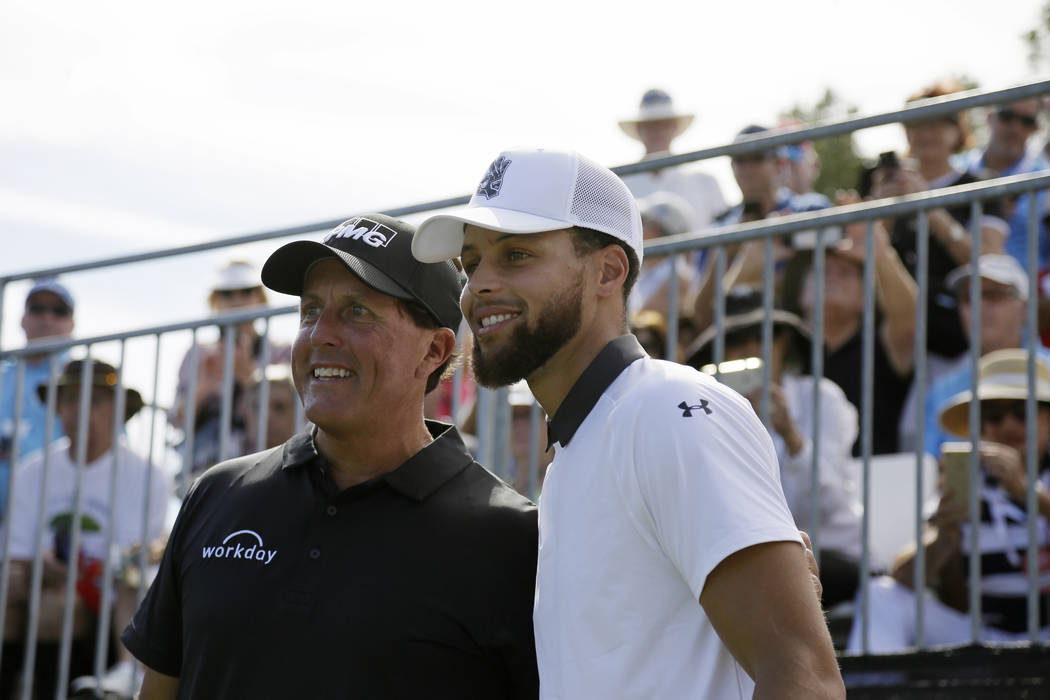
[(655, 105), (1002, 374)]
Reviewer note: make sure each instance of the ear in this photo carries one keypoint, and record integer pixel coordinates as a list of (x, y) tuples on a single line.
[(612, 268), (439, 348)]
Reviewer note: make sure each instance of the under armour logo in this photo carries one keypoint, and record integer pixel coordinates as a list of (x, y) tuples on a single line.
[(493, 180), (687, 410)]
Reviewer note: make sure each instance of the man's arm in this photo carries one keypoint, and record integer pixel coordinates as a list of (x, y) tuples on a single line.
[(760, 601), (157, 686)]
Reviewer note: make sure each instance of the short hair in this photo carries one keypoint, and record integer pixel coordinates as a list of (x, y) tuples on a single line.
[(588, 240), (940, 89), (425, 320)]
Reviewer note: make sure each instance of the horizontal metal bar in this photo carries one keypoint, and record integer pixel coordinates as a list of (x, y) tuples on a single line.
[(924, 109), (233, 317), (863, 211)]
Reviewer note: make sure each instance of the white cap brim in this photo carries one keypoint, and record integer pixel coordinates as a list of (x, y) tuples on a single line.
[(441, 237)]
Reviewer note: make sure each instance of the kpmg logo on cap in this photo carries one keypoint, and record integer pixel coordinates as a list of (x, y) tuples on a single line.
[(365, 230), (493, 180)]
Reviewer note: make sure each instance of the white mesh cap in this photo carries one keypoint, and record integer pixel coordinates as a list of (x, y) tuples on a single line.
[(528, 191)]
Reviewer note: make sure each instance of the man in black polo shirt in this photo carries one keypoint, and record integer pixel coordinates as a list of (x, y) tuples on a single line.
[(372, 558)]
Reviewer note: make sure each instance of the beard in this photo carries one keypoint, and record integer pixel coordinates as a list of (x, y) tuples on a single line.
[(528, 349)]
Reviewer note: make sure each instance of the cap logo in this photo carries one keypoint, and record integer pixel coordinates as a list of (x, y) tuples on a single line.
[(493, 180), (365, 230)]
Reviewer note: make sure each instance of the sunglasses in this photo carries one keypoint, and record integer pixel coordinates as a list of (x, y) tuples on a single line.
[(41, 309), (234, 293), (1008, 115), (996, 411)]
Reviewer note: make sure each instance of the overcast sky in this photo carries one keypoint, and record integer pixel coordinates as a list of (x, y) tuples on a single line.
[(129, 126)]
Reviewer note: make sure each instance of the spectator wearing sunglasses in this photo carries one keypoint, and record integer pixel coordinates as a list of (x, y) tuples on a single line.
[(237, 286), (1002, 526), (48, 316), (1009, 127)]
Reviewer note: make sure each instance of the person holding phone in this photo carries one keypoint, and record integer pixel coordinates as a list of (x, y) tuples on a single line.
[(1002, 490)]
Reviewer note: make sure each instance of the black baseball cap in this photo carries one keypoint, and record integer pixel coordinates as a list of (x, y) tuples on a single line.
[(377, 249)]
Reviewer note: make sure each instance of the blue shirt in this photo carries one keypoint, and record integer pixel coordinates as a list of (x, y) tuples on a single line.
[(952, 383), (34, 413), (1016, 240)]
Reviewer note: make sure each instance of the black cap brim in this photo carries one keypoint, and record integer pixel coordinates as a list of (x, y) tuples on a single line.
[(285, 270)]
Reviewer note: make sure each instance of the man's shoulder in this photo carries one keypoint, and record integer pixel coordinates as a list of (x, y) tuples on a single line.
[(256, 467), (489, 495)]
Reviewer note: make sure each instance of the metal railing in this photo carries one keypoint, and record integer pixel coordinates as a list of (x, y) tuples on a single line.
[(492, 410)]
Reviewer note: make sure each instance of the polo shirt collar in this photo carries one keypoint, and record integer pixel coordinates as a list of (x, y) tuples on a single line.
[(584, 394), (419, 476)]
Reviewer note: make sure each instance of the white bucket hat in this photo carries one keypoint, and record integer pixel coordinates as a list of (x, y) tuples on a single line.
[(533, 190), (655, 105)]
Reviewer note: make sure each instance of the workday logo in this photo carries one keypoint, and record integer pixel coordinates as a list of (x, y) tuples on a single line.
[(242, 544)]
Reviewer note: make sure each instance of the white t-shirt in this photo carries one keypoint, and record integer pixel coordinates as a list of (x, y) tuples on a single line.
[(669, 473), (132, 471), (698, 188), (840, 508)]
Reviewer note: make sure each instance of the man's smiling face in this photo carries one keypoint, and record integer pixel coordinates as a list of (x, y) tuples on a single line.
[(523, 299)]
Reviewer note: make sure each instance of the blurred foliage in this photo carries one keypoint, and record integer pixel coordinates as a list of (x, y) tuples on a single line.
[(1038, 39), (840, 165)]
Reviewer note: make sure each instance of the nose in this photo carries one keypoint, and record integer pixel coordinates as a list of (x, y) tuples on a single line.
[(325, 331), (482, 281)]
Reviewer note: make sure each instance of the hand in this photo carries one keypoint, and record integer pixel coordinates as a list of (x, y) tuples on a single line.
[(781, 420), (811, 564), (1005, 464), (55, 571), (896, 182)]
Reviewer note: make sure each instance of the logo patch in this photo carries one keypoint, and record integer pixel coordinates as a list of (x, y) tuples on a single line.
[(687, 410), (492, 182), (242, 544), (365, 230)]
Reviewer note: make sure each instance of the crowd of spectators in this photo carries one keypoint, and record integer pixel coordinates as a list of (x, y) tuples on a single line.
[(941, 152)]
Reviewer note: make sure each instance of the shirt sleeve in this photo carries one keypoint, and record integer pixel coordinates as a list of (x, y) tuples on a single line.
[(25, 509), (704, 478)]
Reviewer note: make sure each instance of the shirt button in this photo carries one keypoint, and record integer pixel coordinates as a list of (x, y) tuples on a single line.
[(315, 553), (331, 510)]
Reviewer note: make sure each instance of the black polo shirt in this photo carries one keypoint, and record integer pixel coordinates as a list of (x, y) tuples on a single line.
[(415, 584)]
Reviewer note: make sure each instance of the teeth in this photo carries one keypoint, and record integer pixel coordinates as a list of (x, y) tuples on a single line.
[(331, 372), (498, 318)]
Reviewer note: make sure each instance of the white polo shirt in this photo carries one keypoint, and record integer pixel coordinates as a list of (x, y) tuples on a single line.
[(660, 473)]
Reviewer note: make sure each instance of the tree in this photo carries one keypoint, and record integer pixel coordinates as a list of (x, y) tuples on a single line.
[(1037, 39)]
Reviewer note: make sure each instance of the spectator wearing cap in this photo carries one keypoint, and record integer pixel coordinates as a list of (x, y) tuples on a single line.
[(236, 286), (931, 145), (48, 315), (656, 124), (799, 162), (1002, 390), (137, 481), (1004, 300), (758, 175), (1008, 153), (664, 214), (791, 427), (371, 556)]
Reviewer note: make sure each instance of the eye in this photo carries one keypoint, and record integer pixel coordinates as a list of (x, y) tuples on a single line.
[(358, 311), (308, 311), (469, 265), (517, 255)]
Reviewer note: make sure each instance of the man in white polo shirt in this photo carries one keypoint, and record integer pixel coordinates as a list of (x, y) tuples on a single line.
[(664, 488)]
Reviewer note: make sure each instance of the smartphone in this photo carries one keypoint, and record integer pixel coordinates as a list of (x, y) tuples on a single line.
[(743, 376), (957, 469)]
